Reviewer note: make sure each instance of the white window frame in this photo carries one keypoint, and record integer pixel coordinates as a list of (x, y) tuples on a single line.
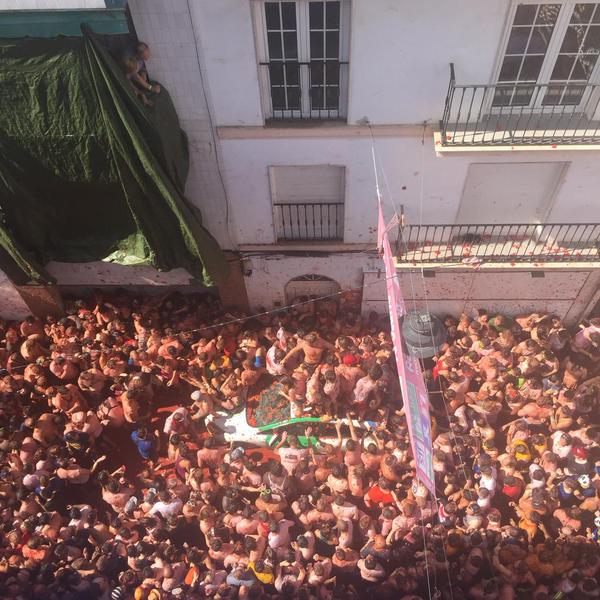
[(303, 33), (552, 52)]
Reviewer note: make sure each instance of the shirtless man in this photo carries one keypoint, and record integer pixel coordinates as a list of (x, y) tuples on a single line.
[(64, 369), (73, 473), (312, 347)]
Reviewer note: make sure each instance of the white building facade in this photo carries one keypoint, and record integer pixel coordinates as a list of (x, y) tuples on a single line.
[(299, 93), (479, 114)]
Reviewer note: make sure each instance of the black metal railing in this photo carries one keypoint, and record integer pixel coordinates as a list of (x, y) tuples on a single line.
[(472, 244), (312, 221), (520, 114), (306, 90)]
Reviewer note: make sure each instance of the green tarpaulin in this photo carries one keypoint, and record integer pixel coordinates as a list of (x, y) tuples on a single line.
[(87, 172)]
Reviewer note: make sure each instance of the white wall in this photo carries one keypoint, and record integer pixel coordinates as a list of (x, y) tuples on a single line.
[(270, 274), (406, 165), (169, 30), (566, 293), (225, 35), (105, 273), (399, 56), (399, 71), (246, 163), (401, 50), (509, 292), (399, 67), (12, 306)]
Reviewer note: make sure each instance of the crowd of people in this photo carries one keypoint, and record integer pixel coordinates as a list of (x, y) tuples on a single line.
[(116, 484)]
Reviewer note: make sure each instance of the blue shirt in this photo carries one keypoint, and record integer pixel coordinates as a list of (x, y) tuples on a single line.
[(233, 580), (145, 447), (564, 495)]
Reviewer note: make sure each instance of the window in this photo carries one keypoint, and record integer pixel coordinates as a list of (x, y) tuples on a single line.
[(550, 55), (303, 53), (577, 56), (308, 202)]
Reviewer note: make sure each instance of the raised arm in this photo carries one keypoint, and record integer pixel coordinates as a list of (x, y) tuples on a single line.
[(282, 441), (338, 429), (296, 350), (353, 433)]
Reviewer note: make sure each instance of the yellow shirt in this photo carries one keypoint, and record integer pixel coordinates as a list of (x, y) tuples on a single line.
[(263, 577), (540, 448), (522, 456), (225, 364)]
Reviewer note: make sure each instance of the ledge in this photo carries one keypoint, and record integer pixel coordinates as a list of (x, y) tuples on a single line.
[(499, 266), (306, 247), (318, 129), (442, 150)]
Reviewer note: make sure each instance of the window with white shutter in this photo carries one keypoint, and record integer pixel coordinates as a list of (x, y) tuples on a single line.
[(308, 202)]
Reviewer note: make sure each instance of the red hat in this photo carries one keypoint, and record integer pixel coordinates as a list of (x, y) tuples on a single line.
[(349, 360), (579, 452)]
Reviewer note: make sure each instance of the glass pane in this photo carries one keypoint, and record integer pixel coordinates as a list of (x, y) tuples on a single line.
[(522, 95), (333, 44), (573, 38), (578, 71), (547, 14), (293, 98), (525, 14), (290, 44), (292, 73), (276, 73), (532, 65), (573, 94), (278, 98), (316, 15), (553, 95), (502, 96), (288, 15), (316, 98), (510, 68), (540, 38), (592, 39), (590, 61), (517, 42), (272, 15), (332, 18), (316, 73), (333, 73), (562, 67), (332, 97), (316, 44), (584, 66), (274, 40), (596, 17), (582, 13)]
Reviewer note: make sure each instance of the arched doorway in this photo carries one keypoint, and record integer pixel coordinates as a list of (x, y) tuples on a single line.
[(309, 286)]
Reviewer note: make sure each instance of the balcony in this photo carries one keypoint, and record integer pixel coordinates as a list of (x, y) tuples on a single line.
[(509, 243), (519, 115), (314, 222), (314, 90)]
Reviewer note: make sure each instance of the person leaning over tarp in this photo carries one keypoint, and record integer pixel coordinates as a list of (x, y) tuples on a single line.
[(133, 63)]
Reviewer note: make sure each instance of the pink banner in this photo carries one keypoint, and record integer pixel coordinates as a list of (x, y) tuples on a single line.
[(414, 392)]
